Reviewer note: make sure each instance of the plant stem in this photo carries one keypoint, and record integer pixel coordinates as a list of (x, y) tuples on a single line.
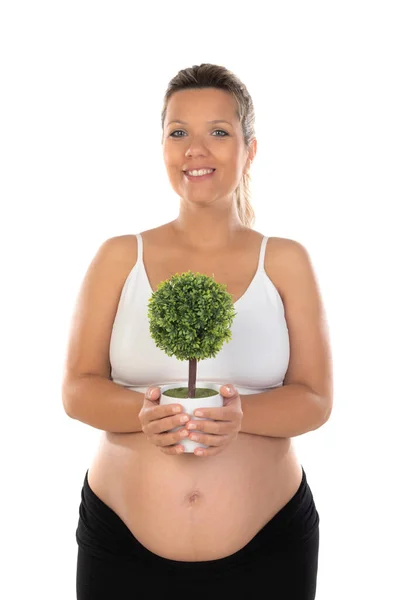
[(192, 377)]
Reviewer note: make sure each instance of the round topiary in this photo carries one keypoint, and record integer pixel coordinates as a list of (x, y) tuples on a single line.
[(190, 316)]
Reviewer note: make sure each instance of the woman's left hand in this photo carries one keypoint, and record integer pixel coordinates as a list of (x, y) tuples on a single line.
[(224, 427)]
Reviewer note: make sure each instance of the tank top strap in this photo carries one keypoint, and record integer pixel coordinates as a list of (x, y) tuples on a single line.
[(139, 248), (262, 253), (261, 259)]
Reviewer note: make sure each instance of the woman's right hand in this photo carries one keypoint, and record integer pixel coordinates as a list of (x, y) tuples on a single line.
[(157, 420)]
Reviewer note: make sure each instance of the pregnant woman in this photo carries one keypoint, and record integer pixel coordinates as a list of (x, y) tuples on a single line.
[(238, 518)]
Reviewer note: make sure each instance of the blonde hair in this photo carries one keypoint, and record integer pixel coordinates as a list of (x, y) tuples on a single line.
[(215, 76)]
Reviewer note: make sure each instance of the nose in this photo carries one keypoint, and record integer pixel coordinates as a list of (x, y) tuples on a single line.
[(196, 147)]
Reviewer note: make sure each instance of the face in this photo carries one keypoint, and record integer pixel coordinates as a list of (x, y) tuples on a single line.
[(196, 142)]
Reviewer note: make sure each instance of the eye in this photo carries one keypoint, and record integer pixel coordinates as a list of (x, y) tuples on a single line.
[(179, 130)]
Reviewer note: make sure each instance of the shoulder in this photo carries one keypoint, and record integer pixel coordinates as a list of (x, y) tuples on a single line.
[(118, 243), (120, 251), (124, 248), (287, 260), (284, 249)]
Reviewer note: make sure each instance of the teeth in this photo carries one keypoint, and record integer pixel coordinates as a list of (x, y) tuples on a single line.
[(198, 173)]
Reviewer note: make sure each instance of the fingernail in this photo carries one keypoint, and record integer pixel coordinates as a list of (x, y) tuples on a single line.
[(228, 389)]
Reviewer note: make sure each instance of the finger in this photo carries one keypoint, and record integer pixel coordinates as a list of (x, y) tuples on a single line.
[(151, 400), (219, 413), (152, 393), (210, 426), (161, 411), (228, 390), (209, 439), (167, 423), (174, 449), (170, 437), (204, 452)]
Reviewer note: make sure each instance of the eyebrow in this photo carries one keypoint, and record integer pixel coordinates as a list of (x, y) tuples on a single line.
[(215, 121)]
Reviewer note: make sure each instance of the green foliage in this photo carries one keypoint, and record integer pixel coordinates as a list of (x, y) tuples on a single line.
[(190, 316)]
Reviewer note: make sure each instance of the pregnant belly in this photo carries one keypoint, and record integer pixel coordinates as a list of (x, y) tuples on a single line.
[(193, 508)]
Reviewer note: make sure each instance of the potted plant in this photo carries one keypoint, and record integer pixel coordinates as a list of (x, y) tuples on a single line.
[(190, 316)]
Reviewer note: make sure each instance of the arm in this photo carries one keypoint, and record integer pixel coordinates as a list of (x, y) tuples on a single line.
[(285, 411), (304, 402), (103, 404), (88, 392)]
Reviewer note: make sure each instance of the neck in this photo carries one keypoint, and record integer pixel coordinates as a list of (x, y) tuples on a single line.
[(207, 231)]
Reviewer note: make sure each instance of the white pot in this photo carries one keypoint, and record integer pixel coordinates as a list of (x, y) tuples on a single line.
[(190, 405)]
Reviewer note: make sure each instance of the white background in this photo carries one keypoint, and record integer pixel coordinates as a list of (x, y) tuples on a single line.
[(82, 85)]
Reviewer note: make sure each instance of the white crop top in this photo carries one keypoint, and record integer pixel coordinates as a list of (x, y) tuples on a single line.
[(254, 359)]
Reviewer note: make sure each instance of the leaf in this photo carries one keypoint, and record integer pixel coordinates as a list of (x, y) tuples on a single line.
[(190, 316)]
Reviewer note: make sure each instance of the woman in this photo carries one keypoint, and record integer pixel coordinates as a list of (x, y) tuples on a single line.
[(241, 515)]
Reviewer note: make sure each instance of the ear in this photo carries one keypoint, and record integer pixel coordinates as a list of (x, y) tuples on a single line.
[(251, 155), (253, 149)]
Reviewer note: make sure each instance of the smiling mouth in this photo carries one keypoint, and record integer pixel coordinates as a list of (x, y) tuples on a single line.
[(199, 170), (195, 178)]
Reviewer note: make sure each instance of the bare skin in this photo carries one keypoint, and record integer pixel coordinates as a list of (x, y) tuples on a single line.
[(217, 503), (186, 507)]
